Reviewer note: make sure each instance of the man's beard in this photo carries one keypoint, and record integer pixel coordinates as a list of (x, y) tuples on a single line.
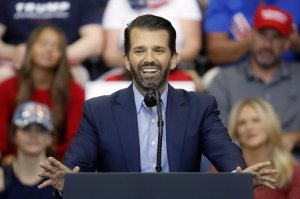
[(148, 82), (266, 63)]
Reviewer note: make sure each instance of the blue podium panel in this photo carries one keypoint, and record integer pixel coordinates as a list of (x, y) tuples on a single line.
[(158, 186)]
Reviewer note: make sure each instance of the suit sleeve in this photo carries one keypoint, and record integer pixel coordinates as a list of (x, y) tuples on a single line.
[(83, 150), (217, 145)]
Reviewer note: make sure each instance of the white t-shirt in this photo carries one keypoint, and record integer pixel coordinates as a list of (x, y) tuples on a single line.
[(119, 13)]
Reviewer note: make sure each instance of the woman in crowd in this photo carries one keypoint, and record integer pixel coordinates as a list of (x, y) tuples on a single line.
[(255, 127), (32, 133), (44, 77)]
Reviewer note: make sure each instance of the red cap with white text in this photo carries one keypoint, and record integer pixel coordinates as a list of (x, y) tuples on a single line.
[(273, 17)]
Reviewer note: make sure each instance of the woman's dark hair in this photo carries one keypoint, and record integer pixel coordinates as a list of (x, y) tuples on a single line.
[(60, 82)]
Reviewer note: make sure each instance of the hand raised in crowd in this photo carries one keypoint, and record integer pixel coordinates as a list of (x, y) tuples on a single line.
[(262, 174), (54, 172)]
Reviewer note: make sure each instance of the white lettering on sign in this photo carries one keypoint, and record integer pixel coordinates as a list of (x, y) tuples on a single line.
[(48, 10)]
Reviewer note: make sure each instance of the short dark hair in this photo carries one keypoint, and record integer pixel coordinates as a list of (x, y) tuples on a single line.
[(150, 22)]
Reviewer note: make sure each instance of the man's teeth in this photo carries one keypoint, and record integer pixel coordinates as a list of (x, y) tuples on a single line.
[(149, 70)]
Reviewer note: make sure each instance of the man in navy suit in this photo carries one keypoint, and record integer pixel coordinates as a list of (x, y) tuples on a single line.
[(118, 133)]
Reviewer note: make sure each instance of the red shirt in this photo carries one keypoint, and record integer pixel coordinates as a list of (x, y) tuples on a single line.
[(8, 94), (290, 191)]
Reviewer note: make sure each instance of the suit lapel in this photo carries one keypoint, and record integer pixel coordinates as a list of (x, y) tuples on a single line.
[(177, 114), (126, 121)]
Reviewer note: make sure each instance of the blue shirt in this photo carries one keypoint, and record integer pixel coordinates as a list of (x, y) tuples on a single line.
[(220, 14), (16, 189), (148, 132), (21, 17)]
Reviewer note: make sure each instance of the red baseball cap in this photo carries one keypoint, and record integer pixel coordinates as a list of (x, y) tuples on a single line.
[(273, 17)]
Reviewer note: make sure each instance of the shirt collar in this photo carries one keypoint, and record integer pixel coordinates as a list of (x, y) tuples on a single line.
[(282, 73), (139, 98)]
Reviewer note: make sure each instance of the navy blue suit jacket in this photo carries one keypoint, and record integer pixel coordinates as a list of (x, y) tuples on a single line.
[(107, 139)]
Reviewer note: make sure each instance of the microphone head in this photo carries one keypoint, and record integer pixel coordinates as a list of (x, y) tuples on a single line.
[(150, 98)]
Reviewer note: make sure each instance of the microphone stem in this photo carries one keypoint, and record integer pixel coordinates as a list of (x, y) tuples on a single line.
[(160, 124)]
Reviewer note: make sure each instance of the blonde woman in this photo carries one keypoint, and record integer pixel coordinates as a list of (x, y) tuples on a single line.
[(255, 127)]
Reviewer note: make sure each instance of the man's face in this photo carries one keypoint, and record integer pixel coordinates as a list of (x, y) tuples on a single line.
[(267, 47), (149, 59)]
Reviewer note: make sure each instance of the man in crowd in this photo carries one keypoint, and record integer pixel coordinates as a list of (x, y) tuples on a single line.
[(228, 26), (265, 74)]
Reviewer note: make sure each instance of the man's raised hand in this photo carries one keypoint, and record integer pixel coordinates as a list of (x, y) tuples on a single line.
[(262, 174), (54, 172)]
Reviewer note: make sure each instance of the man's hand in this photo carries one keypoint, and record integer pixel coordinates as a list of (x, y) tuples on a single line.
[(54, 172), (262, 175)]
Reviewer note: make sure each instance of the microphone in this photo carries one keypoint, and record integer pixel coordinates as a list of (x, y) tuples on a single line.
[(151, 99)]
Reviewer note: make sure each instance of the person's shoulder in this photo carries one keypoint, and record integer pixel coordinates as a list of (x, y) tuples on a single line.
[(234, 68), (76, 90), (296, 169), (10, 82), (294, 67), (10, 87), (194, 94), (195, 97), (293, 73), (75, 87), (231, 73), (198, 102), (106, 99), (295, 181)]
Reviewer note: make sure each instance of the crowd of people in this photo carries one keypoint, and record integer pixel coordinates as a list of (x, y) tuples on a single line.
[(47, 50)]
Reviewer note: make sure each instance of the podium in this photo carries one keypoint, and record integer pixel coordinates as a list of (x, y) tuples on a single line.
[(158, 186)]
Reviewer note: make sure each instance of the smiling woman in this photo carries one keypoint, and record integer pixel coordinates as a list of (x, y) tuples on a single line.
[(255, 127)]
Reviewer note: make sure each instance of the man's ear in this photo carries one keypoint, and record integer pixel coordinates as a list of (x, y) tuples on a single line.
[(174, 60), (126, 62)]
